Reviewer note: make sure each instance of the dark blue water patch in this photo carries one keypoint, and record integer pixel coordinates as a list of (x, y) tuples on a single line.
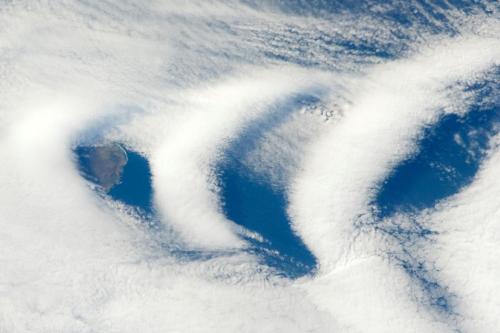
[(254, 203), (407, 231), (404, 8), (403, 23), (258, 207), (365, 48), (410, 233), (437, 296), (134, 187), (449, 157), (306, 46)]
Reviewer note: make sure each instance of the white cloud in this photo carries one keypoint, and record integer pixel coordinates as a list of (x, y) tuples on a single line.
[(182, 166), (390, 106), (466, 249), (177, 81)]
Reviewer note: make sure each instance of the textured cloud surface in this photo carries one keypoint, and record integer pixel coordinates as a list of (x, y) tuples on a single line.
[(319, 105)]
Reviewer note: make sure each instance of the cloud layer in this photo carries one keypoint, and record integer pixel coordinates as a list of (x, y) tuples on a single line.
[(179, 82)]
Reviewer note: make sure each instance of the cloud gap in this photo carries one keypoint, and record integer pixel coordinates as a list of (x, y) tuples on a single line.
[(252, 201), (449, 155)]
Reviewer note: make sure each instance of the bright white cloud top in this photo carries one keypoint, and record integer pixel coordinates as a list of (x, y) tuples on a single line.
[(322, 101)]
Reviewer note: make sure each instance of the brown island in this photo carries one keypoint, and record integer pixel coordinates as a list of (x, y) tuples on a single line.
[(106, 164)]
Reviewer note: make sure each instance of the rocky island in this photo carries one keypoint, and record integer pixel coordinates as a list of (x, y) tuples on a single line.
[(103, 164)]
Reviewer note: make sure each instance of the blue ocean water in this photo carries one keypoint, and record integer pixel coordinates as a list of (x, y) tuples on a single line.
[(255, 203), (258, 207), (134, 188), (449, 155)]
